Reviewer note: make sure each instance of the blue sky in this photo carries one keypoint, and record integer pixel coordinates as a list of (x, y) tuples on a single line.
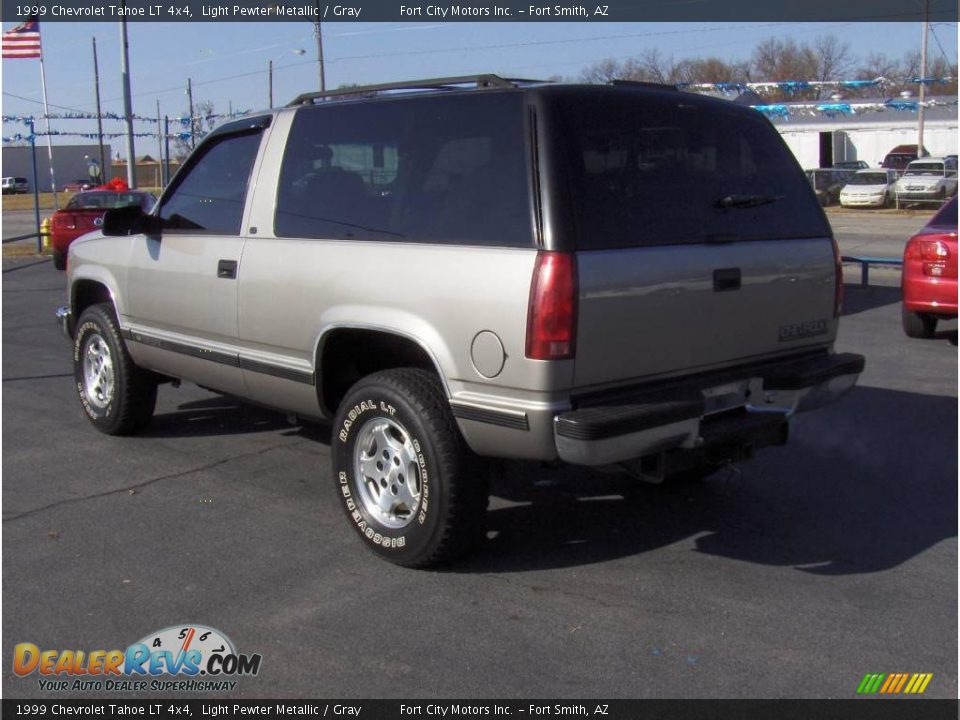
[(227, 62)]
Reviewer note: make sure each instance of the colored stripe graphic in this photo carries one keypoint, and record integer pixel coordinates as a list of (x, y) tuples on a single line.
[(894, 683), (891, 682), (870, 683)]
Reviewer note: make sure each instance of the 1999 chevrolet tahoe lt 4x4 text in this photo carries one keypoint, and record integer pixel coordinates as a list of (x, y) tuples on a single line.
[(448, 270)]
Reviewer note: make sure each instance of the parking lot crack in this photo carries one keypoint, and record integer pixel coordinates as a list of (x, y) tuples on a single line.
[(147, 483)]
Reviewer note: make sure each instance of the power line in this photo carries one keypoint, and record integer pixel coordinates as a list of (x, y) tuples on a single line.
[(40, 102), (942, 51)]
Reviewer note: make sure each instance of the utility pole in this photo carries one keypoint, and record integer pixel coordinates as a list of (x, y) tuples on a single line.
[(270, 82), (159, 148), (190, 100), (96, 83), (127, 104), (318, 31), (166, 150), (923, 76)]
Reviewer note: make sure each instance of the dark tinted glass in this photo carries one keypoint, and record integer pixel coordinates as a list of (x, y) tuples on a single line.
[(946, 217), (424, 169), (211, 194), (109, 200), (651, 169)]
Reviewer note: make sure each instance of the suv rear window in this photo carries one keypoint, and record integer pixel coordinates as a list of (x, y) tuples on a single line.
[(423, 169), (654, 169)]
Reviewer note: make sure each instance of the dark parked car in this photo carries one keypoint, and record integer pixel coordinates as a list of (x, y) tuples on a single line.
[(827, 183), (930, 274), (901, 156), (84, 213), (851, 165)]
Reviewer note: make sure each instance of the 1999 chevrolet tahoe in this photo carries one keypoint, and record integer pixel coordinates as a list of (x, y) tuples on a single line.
[(622, 275)]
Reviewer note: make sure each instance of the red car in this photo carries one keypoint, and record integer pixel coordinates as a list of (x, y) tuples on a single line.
[(930, 274), (84, 213)]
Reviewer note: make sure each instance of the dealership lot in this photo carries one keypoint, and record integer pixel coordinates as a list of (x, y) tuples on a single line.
[(791, 576)]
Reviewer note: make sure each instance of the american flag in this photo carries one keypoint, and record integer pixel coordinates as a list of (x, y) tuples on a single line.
[(23, 41)]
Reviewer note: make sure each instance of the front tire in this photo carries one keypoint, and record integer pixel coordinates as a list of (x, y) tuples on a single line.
[(117, 397), (916, 325), (406, 480)]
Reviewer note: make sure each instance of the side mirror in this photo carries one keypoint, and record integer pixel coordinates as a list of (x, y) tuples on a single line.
[(131, 220)]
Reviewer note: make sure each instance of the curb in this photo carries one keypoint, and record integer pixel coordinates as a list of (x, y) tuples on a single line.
[(21, 251)]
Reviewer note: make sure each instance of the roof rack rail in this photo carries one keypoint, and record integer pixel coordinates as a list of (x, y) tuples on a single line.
[(448, 83), (644, 83)]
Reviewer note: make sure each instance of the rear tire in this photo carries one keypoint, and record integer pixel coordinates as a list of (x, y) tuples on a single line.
[(59, 260), (406, 480), (117, 397), (916, 325)]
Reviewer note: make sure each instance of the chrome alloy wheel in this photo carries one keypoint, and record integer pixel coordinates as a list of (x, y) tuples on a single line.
[(98, 379), (387, 472)]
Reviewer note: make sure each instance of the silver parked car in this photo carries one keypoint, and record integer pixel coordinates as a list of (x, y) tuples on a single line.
[(622, 275), (928, 179)]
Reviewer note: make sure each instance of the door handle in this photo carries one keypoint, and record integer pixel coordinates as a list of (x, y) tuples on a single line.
[(726, 279), (227, 269)]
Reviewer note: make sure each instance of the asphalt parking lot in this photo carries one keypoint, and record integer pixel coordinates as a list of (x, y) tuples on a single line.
[(790, 576)]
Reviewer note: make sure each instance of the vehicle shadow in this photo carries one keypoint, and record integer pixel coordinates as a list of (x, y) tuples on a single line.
[(218, 415), (858, 299), (862, 486)]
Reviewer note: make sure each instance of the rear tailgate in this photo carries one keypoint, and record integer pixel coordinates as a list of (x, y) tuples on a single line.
[(665, 310), (699, 242)]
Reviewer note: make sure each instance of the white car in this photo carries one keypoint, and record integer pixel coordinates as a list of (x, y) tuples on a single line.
[(928, 179), (869, 188), (15, 185)]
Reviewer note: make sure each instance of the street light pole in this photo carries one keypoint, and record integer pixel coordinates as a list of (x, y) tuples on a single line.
[(96, 83), (127, 105), (297, 51)]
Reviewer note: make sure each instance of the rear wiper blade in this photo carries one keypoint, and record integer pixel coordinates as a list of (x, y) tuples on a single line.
[(746, 201)]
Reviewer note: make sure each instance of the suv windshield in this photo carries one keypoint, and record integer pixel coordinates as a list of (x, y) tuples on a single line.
[(877, 178), (668, 168)]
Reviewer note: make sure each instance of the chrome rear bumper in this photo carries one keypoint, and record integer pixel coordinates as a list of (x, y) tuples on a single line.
[(756, 404)]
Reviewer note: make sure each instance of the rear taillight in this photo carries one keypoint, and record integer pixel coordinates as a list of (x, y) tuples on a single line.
[(838, 280), (552, 314), (934, 254), (65, 222)]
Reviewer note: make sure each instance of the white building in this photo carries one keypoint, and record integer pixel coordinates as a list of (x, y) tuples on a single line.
[(820, 141)]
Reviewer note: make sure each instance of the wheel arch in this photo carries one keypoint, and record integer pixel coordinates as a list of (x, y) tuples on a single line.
[(87, 291), (347, 353)]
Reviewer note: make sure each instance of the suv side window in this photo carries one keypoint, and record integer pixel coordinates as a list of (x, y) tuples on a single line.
[(210, 195), (439, 170)]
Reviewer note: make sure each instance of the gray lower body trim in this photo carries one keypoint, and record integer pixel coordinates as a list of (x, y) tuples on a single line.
[(223, 358), (513, 419), (285, 373)]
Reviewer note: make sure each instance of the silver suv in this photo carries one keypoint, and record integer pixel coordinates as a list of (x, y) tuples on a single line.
[(452, 270)]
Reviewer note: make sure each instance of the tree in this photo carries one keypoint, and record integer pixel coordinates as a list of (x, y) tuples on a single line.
[(708, 70), (606, 70), (203, 122), (833, 60)]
